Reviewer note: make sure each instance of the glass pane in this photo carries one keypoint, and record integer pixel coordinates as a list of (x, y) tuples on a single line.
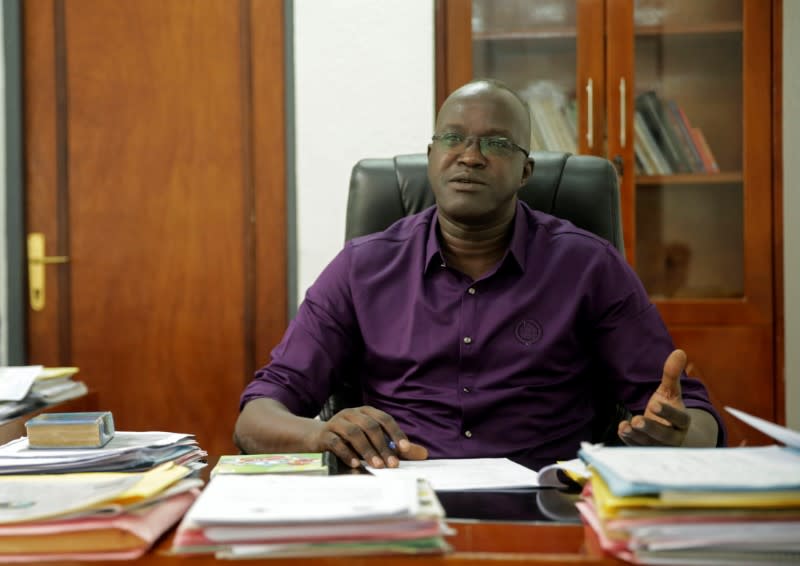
[(531, 46), (688, 146)]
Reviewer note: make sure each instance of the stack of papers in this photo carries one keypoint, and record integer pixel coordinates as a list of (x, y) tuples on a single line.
[(26, 388), (697, 506), (248, 516), (66, 504), (87, 516), (127, 451)]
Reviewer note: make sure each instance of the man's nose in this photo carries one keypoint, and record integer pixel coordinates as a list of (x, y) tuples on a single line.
[(471, 154)]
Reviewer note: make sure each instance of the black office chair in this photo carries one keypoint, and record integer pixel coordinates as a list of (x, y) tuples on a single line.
[(582, 189)]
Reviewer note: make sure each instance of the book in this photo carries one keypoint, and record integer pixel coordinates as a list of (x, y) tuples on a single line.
[(70, 430), (709, 162), (679, 123), (308, 463), (653, 113)]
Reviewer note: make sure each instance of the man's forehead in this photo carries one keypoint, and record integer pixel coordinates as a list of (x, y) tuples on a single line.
[(490, 108)]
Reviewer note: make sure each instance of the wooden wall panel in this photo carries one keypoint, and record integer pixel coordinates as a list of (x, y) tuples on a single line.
[(736, 365)]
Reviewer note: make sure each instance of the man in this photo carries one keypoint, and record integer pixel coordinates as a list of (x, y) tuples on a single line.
[(477, 327)]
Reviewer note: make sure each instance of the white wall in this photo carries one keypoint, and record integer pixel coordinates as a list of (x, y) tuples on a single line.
[(364, 87), (791, 206)]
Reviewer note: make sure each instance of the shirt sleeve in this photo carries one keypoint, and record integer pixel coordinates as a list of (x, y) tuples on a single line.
[(633, 342), (306, 364)]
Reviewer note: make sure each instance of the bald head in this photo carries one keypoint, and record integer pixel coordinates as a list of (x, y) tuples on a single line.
[(500, 95)]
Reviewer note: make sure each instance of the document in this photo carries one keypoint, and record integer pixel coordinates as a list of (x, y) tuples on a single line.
[(16, 381), (630, 470), (465, 474), (36, 497), (274, 499), (780, 433)]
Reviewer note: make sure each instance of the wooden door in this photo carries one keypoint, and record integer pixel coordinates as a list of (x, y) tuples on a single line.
[(155, 162)]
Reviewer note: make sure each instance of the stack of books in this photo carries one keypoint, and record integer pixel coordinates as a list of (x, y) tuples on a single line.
[(105, 503), (26, 388), (697, 506), (666, 142), (297, 514)]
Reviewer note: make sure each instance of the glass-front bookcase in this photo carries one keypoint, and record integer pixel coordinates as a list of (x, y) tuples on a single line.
[(678, 95)]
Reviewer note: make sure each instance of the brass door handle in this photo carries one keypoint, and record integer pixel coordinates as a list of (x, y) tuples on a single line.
[(36, 262)]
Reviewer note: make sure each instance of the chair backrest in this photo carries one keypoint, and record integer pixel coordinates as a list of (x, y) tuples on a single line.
[(580, 188)]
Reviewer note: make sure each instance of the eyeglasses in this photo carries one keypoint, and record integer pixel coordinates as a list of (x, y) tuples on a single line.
[(490, 146)]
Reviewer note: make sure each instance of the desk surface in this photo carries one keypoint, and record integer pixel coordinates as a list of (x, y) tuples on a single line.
[(475, 543), (487, 538)]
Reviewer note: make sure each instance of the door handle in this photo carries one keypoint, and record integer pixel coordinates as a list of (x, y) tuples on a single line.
[(36, 262)]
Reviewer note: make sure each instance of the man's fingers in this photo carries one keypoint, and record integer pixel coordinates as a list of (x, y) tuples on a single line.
[(670, 386), (414, 452), (333, 443), (677, 417)]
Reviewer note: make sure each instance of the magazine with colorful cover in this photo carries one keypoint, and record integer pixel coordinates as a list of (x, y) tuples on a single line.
[(311, 463)]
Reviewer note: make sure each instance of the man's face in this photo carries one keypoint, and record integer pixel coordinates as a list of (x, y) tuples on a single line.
[(470, 186)]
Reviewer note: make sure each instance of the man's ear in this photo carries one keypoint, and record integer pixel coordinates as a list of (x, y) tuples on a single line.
[(527, 170), (429, 149)]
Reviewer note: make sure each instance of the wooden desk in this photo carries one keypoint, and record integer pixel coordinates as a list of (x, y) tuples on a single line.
[(15, 428), (476, 543)]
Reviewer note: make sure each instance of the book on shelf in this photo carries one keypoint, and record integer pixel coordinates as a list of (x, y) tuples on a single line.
[(310, 463), (709, 162), (683, 127), (654, 117), (650, 154)]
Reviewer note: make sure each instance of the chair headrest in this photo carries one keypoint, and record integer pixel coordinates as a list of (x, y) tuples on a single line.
[(583, 189)]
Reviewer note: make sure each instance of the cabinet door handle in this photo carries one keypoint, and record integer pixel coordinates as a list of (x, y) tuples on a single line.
[(589, 113), (622, 113)]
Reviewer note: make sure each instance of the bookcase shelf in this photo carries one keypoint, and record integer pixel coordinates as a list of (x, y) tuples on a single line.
[(712, 28), (555, 32), (690, 179)]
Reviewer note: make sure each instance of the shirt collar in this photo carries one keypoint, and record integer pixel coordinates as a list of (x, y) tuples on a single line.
[(516, 250)]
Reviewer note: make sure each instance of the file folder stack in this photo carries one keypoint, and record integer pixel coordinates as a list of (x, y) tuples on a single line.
[(697, 506), (254, 516), (27, 388), (103, 504)]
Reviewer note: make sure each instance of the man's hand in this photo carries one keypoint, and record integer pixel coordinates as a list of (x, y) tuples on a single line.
[(666, 420), (364, 433)]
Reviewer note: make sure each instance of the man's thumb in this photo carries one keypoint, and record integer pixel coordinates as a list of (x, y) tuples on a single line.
[(671, 378)]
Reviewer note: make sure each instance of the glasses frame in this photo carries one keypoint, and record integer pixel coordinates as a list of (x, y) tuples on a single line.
[(478, 139)]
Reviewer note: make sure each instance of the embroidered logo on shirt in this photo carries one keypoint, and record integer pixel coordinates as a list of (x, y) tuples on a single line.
[(528, 331)]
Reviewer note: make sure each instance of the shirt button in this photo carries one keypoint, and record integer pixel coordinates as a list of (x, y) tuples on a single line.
[(467, 340), (468, 434), (471, 290), (466, 390)]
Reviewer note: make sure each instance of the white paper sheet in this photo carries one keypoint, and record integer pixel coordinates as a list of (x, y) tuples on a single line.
[(465, 474), (16, 381), (269, 499), (779, 433)]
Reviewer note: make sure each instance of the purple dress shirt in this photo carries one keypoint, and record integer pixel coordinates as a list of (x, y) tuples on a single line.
[(511, 364)]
